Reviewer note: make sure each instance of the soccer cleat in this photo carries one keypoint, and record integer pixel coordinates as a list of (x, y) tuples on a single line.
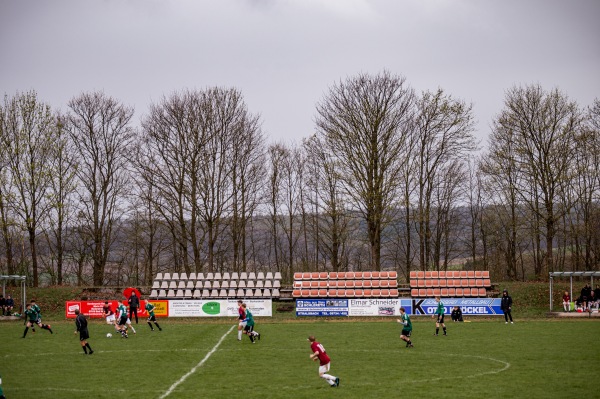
[(506, 322), (337, 381), (159, 329), (91, 351), (411, 346), (512, 322), (435, 335), (259, 337)]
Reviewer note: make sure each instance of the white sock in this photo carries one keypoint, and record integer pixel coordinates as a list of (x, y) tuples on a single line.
[(329, 378), (132, 329)]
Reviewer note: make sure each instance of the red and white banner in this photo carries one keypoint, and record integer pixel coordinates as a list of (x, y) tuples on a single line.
[(93, 309), (176, 308)]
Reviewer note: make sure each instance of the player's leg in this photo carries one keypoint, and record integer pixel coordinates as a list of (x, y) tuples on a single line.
[(27, 325), (129, 325), (248, 331), (149, 323), (323, 373)]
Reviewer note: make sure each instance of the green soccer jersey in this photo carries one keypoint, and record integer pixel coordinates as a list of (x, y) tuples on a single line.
[(249, 318), (122, 310), (37, 310), (150, 309), (405, 318), (440, 308), (31, 314)]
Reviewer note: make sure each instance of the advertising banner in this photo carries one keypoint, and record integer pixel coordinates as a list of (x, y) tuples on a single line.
[(469, 306), (218, 307), (93, 309), (374, 307), (391, 306), (322, 307), (176, 308)]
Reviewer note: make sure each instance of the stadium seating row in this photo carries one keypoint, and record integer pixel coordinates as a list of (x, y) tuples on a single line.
[(345, 284), (218, 276), (483, 274), (345, 275), (208, 284), (447, 292), (443, 283), (214, 293), (345, 293)]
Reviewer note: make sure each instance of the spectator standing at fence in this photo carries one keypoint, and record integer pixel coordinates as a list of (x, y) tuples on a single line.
[(406, 327), (84, 334), (506, 306), (320, 353), (566, 301), (439, 316), (134, 304), (9, 304)]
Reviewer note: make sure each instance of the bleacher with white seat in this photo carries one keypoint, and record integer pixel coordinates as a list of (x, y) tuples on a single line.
[(224, 285)]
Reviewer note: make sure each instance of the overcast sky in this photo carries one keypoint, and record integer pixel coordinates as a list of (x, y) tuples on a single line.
[(283, 55)]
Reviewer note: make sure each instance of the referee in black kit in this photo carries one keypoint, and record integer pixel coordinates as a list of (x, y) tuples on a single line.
[(82, 329)]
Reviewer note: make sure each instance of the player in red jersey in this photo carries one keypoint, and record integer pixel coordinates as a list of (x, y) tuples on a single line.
[(324, 361), (241, 318)]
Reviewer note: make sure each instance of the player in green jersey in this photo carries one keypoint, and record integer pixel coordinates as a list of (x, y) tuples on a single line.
[(151, 316), (1, 392), (121, 322), (406, 327), (439, 315), (249, 329), (38, 320), (30, 318)]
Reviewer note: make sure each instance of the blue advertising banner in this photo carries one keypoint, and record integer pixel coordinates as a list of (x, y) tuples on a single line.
[(390, 306), (469, 306)]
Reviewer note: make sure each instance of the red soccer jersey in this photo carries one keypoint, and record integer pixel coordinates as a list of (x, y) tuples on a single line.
[(242, 313), (318, 348)]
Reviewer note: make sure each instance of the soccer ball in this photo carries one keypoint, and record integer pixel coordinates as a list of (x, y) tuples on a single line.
[(109, 335)]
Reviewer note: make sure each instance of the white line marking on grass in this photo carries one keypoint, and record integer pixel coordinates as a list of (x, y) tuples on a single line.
[(193, 370)]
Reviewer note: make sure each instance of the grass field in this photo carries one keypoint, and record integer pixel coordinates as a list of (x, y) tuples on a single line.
[(534, 359)]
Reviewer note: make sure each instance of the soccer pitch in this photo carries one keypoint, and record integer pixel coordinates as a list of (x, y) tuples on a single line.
[(204, 359)]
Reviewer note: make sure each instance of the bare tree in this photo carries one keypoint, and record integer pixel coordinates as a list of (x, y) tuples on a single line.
[(444, 127), (169, 161), (543, 126), (100, 129), (332, 220), (276, 156), (248, 171), (364, 122), (29, 143), (62, 188)]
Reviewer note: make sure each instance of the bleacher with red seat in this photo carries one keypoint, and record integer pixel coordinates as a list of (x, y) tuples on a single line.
[(359, 284), (451, 283)]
